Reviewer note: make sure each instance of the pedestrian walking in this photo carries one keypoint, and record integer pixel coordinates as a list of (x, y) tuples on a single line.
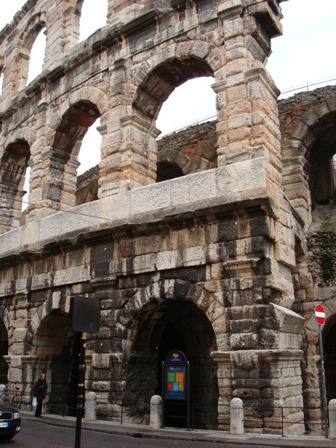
[(40, 390)]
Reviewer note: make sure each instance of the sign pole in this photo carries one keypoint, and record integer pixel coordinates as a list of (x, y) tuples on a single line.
[(85, 315), (323, 385), (81, 391), (320, 317)]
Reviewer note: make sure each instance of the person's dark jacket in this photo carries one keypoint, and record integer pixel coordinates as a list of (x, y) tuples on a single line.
[(40, 388)]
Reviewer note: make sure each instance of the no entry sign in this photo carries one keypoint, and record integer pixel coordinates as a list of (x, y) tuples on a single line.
[(320, 315)]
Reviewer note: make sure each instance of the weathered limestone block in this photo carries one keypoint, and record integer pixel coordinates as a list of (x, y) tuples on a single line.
[(101, 361), (19, 335), (244, 341)]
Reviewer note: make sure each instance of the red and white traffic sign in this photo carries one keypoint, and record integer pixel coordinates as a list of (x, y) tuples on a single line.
[(320, 315)]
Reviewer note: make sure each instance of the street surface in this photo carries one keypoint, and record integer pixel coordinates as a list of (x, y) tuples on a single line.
[(40, 435)]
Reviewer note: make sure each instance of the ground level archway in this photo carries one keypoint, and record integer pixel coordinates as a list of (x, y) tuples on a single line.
[(3, 353), (56, 347), (162, 327), (330, 358)]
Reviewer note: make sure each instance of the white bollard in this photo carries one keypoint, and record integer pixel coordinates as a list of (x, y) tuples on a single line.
[(156, 412), (332, 419), (237, 416), (90, 407)]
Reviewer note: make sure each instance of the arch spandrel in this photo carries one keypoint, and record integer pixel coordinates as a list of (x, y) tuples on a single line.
[(167, 290), (68, 125), (156, 78), (13, 169), (56, 302), (90, 94)]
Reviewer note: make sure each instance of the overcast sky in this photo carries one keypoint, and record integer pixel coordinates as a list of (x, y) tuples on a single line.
[(304, 54)]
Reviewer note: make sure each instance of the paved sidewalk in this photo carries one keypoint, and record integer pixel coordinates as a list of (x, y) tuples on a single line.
[(143, 431)]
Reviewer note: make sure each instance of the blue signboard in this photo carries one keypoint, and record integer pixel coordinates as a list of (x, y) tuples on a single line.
[(176, 383), (175, 373), (175, 380)]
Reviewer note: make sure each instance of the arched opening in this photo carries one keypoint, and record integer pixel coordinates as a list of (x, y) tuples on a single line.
[(55, 347), (25, 197), (13, 174), (93, 16), (192, 102), (329, 347), (37, 55), (29, 62), (3, 352), (320, 163), (89, 154), (66, 146), (171, 325), (167, 170), (150, 99)]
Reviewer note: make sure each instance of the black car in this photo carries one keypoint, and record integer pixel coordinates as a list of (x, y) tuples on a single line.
[(10, 422)]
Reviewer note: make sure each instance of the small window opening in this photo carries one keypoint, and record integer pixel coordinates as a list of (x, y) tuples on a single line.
[(93, 17), (191, 103), (37, 56), (168, 170), (25, 197), (89, 154)]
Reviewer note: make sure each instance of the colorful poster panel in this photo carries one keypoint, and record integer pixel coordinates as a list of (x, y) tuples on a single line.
[(175, 381)]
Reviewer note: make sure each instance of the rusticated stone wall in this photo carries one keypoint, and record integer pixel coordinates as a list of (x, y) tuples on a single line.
[(196, 242)]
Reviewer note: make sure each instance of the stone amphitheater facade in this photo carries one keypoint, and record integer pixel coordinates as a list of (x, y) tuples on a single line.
[(217, 241)]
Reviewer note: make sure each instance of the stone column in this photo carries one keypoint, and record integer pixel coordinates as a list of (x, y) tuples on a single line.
[(248, 124), (23, 371), (62, 32), (115, 7), (6, 213), (295, 180), (269, 383), (15, 72), (110, 166), (138, 152)]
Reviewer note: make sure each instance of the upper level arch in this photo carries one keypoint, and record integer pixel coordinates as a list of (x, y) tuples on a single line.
[(308, 149), (148, 87), (28, 37), (156, 79), (172, 289), (13, 168), (61, 179), (91, 94)]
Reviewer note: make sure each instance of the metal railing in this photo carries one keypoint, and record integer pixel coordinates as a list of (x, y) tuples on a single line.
[(284, 93), (307, 86), (12, 396)]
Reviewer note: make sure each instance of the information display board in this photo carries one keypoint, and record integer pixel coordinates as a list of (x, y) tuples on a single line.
[(176, 383), (176, 380)]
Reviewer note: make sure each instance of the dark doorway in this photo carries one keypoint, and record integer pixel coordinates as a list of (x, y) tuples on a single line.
[(168, 170), (56, 345), (330, 360), (170, 325), (175, 411), (3, 352)]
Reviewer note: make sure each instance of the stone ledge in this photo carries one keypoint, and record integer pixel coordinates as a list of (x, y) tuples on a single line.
[(215, 189)]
